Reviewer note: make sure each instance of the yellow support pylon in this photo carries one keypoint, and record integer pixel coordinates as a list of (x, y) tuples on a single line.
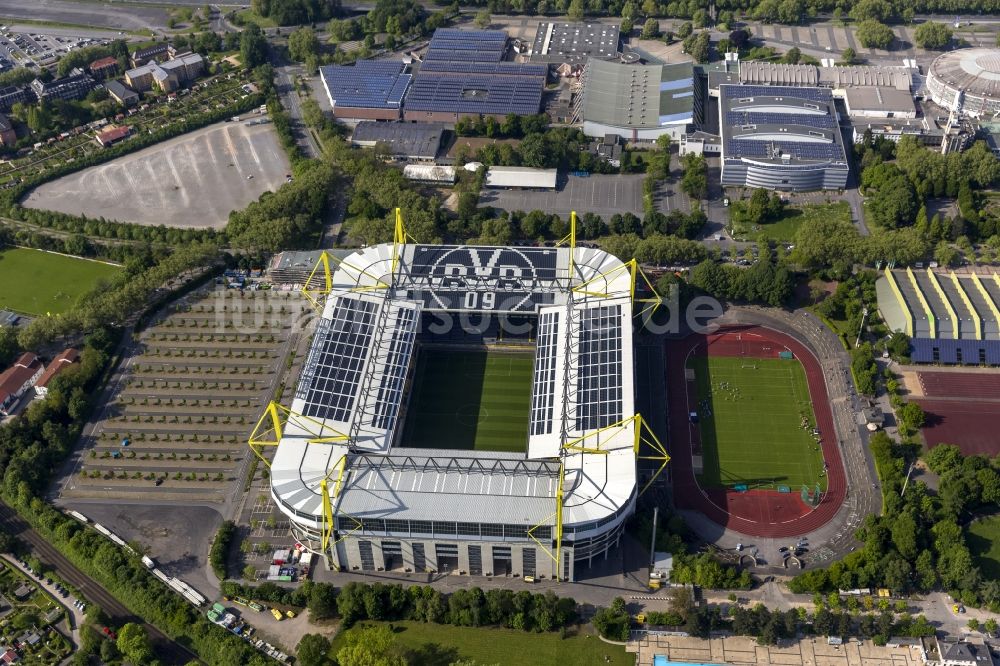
[(400, 237), (271, 426)]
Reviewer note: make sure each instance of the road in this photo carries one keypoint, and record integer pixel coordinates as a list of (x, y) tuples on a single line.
[(166, 650)]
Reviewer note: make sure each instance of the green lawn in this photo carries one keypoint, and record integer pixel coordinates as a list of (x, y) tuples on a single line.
[(756, 423), (794, 217), (36, 282), (470, 400), (440, 645), (984, 542)]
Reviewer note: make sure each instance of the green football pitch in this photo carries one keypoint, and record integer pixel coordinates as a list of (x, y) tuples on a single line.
[(36, 282), (470, 400), (756, 422)]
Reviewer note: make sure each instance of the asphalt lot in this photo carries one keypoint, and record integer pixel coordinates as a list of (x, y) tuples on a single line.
[(193, 180), (603, 195), (120, 17)]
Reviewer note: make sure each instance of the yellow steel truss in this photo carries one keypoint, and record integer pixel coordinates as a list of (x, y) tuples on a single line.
[(315, 295), (271, 426), (642, 435), (399, 237), (570, 239), (635, 272)]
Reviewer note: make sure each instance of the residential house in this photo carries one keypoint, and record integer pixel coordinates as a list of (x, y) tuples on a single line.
[(17, 379), (8, 136), (121, 93), (65, 359), (9, 656), (113, 135), (104, 68), (74, 86), (142, 56), (964, 653), (11, 95)]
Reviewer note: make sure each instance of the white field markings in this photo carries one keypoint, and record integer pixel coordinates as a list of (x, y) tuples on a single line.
[(178, 180), (245, 135), (231, 149), (781, 404)]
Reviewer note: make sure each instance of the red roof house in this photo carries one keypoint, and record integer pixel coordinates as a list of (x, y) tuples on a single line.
[(58, 364)]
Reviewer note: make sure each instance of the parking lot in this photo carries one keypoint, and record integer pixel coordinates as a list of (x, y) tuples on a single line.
[(119, 16), (30, 49), (600, 194), (176, 428), (193, 180)]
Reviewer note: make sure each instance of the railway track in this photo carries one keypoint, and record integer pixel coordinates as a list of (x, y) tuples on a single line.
[(166, 650)]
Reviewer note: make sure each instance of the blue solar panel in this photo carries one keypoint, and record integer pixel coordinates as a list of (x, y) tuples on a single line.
[(377, 84), (544, 383), (736, 118), (796, 150), (390, 389), (470, 93), (788, 92), (599, 378), (502, 68), (466, 45)]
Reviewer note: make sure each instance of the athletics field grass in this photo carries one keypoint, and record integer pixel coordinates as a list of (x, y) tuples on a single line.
[(984, 542), (470, 400), (434, 644), (752, 423), (36, 282)]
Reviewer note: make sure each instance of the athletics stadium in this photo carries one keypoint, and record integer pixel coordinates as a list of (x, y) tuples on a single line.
[(465, 410)]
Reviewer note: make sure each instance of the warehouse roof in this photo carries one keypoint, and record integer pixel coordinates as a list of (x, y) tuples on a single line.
[(451, 44), (488, 88), (413, 140), (371, 84), (574, 42), (878, 98), (521, 177), (771, 73), (625, 95)]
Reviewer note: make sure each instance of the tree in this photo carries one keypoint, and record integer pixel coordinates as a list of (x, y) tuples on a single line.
[(990, 627), (739, 39), (866, 10), (874, 35), (848, 56), (483, 19), (312, 650), (253, 46), (932, 35), (650, 29), (371, 646), (134, 643), (912, 416), (698, 46), (302, 44), (575, 11)]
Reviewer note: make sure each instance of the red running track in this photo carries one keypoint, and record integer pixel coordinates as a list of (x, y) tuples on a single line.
[(976, 385), (963, 408), (760, 513)]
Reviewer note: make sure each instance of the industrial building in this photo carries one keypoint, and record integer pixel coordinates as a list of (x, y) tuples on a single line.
[(360, 498), (464, 75), (367, 90), (522, 177), (407, 141), (781, 138), (950, 317), (966, 80), (430, 173), (636, 102), (558, 42)]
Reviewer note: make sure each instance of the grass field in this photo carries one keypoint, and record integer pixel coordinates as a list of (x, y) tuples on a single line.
[(984, 543), (794, 218), (440, 645), (756, 423), (36, 282), (470, 400)]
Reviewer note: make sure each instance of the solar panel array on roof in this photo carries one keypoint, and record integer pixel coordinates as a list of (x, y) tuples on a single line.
[(737, 118), (788, 92), (773, 149), (390, 390), (504, 68), (544, 383), (466, 45), (599, 378), (335, 364), (378, 84)]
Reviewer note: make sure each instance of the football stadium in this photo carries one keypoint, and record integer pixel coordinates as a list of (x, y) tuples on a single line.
[(465, 410)]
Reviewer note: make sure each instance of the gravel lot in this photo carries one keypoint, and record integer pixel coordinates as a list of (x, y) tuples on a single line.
[(193, 180), (99, 15)]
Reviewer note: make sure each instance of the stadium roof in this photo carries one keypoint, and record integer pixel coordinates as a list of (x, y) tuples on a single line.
[(353, 378), (779, 124), (370, 84), (929, 303), (628, 95), (557, 42), (413, 140)]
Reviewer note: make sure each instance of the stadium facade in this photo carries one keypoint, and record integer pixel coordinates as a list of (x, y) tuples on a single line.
[(967, 80), (359, 497)]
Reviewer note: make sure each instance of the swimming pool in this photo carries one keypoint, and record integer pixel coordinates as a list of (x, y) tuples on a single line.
[(660, 660)]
